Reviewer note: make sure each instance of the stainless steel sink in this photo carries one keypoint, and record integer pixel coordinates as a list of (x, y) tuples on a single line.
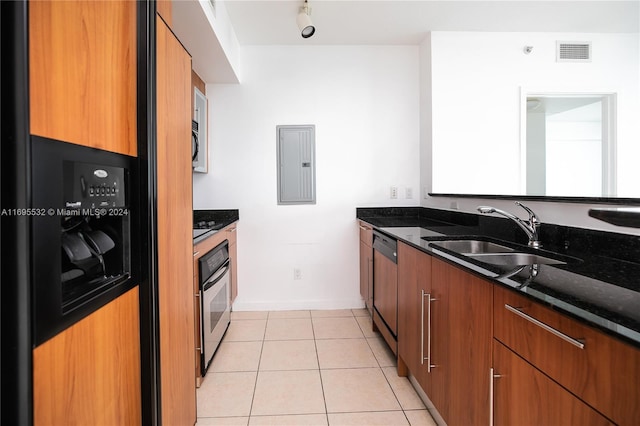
[(468, 247), (495, 254), (514, 259)]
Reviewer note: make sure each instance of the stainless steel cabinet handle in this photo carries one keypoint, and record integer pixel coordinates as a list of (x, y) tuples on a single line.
[(491, 377), (428, 357), (196, 253), (232, 230), (422, 294), (575, 342), (429, 364), (364, 228)]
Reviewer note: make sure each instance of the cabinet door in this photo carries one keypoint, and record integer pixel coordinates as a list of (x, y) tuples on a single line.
[(522, 395), (82, 73), (414, 289), (89, 374), (385, 290), (175, 239), (366, 264), (365, 271), (233, 258), (598, 371), (461, 344)]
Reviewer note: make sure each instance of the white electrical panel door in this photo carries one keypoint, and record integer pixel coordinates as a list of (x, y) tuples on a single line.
[(296, 164)]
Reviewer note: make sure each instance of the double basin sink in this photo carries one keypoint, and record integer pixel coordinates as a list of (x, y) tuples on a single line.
[(497, 254)]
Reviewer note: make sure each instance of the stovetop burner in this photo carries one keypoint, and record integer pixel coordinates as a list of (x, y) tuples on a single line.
[(204, 224)]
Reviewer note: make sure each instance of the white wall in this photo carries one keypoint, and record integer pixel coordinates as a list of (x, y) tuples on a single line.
[(364, 101), (477, 80), (461, 67)]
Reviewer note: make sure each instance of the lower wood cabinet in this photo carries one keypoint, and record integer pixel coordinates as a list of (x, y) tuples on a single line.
[(522, 395), (599, 369), (366, 265), (486, 354), (89, 374), (414, 294), (233, 258), (444, 334), (460, 344)]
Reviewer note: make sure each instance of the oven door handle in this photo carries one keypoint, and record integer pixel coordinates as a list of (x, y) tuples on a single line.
[(217, 276)]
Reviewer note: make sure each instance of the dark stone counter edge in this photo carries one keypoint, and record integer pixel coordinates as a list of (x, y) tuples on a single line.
[(626, 218), (222, 218), (378, 221)]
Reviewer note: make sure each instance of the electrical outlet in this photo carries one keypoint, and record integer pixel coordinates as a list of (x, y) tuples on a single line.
[(297, 274), (393, 192), (408, 193)]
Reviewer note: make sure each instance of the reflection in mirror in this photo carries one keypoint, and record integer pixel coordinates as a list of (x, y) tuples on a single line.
[(570, 145), (478, 88)]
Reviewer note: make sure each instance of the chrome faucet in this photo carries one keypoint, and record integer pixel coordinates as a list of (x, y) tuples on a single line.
[(530, 227)]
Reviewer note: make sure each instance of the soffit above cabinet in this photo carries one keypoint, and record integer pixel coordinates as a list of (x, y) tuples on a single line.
[(210, 39)]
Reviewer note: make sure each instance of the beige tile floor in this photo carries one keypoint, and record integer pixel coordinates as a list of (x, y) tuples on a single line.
[(306, 368)]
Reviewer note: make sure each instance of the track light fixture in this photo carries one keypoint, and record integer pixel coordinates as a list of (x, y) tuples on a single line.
[(304, 21)]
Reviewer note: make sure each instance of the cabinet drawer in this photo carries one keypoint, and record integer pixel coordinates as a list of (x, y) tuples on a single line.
[(366, 233), (231, 234), (601, 370)]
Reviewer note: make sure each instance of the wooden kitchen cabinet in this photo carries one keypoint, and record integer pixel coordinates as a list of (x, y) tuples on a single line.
[(89, 374), (414, 291), (82, 73), (461, 336), (604, 372), (366, 265), (175, 239), (522, 395), (164, 8), (233, 256), (444, 318)]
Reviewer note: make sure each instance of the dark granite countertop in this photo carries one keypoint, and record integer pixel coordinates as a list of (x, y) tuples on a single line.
[(620, 216), (599, 284), (220, 219)]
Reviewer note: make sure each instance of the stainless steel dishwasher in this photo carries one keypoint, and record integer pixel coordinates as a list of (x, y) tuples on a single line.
[(385, 288)]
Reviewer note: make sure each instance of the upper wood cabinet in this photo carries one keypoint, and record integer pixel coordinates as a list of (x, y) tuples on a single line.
[(82, 73), (175, 238), (165, 10)]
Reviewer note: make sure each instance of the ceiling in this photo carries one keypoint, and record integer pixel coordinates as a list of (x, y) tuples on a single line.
[(399, 22)]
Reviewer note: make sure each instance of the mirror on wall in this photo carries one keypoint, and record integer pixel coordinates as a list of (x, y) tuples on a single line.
[(569, 145), (512, 115)]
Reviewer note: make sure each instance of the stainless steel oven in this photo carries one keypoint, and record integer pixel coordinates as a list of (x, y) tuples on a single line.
[(215, 301)]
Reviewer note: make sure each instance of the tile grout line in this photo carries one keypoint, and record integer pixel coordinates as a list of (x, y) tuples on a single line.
[(324, 397), (255, 384)]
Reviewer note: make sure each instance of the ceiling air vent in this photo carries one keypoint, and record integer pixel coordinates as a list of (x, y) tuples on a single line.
[(573, 51)]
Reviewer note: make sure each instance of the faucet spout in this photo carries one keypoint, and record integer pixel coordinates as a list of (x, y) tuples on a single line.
[(530, 227)]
